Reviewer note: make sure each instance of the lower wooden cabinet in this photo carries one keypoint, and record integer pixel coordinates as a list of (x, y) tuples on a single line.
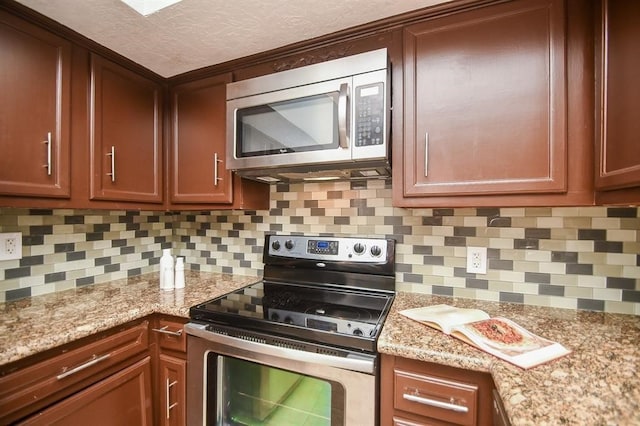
[(500, 417), (123, 398), (133, 374), (417, 393), (171, 389), (44, 381)]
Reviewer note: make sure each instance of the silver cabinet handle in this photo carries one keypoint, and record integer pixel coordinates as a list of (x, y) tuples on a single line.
[(343, 113), (169, 405), (216, 160), (93, 361), (426, 153), (112, 154), (165, 330), (48, 143), (435, 403)]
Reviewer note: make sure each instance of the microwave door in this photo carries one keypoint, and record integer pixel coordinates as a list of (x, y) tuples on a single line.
[(301, 125), (282, 127)]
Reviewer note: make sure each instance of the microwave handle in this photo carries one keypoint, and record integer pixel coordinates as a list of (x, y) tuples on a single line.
[(343, 113)]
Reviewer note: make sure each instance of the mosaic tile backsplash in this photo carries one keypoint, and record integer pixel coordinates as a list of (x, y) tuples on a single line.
[(569, 257)]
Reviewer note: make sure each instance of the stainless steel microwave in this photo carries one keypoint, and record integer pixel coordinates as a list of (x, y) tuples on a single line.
[(318, 122)]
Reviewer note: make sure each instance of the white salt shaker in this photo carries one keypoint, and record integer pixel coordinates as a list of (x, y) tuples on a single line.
[(179, 272)]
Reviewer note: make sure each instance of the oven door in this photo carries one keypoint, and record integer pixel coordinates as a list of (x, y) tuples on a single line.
[(232, 381)]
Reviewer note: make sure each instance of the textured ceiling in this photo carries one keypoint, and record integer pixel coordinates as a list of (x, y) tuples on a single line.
[(197, 33)]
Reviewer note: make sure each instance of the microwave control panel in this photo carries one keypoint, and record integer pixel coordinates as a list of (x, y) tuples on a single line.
[(369, 115)]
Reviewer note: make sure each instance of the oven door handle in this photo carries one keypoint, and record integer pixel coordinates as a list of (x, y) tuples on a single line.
[(362, 363)]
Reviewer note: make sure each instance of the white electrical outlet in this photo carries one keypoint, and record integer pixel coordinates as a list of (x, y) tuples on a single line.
[(477, 260), (11, 246)]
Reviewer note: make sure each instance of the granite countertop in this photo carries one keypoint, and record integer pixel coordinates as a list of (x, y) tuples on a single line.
[(35, 324), (597, 384)]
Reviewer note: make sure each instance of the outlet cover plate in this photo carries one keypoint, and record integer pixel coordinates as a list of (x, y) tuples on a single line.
[(477, 260), (11, 246)]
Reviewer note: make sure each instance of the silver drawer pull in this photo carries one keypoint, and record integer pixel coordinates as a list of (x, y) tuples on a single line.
[(216, 160), (48, 143), (112, 154), (93, 361), (426, 154), (169, 405), (434, 403), (164, 330)]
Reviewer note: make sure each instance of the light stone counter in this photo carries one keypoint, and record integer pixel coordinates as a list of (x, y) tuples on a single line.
[(35, 324), (597, 384)]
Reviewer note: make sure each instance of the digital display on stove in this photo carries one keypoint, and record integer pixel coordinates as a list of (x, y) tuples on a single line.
[(322, 247), (322, 325)]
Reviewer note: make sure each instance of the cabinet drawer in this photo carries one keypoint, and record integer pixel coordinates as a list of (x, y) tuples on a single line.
[(402, 422), (121, 399), (31, 387), (170, 335), (435, 397)]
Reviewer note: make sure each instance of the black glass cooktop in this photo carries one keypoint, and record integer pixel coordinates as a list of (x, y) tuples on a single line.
[(342, 317)]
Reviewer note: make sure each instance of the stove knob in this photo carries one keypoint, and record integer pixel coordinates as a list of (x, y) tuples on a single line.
[(357, 332), (275, 317), (376, 251), (275, 245), (358, 248), (288, 244)]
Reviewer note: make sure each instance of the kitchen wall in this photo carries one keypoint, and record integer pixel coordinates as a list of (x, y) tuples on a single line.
[(569, 257)]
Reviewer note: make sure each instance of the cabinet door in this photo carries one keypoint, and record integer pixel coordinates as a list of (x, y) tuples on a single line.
[(416, 393), (485, 102), (619, 87), (34, 111), (126, 134), (198, 141), (121, 399), (173, 390)]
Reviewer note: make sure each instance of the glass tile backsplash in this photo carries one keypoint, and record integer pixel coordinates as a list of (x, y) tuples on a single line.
[(570, 257)]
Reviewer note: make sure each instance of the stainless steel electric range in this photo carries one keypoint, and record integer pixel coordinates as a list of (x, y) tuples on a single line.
[(298, 346)]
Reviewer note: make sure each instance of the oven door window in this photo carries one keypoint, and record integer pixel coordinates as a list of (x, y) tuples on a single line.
[(254, 394), (298, 125)]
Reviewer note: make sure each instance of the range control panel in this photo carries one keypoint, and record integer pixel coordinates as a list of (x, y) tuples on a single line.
[(372, 250)]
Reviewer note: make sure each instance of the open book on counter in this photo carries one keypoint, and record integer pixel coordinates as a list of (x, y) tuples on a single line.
[(498, 336)]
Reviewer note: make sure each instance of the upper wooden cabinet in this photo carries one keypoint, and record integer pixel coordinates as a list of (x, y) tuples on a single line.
[(34, 110), (486, 104), (198, 176), (125, 134), (618, 118)]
